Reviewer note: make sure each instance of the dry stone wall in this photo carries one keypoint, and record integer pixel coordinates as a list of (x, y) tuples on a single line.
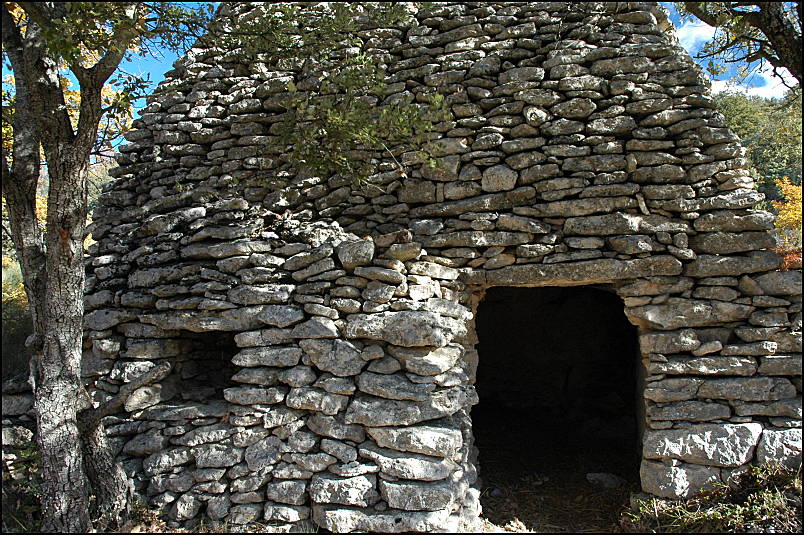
[(322, 336)]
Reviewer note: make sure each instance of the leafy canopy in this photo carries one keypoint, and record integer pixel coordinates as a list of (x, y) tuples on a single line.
[(340, 113), (770, 131), (788, 219), (750, 35)]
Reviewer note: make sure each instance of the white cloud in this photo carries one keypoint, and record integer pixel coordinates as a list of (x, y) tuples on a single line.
[(762, 84), (693, 34)]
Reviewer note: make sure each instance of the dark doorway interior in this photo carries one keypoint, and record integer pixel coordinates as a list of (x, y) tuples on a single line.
[(557, 387), (206, 368)]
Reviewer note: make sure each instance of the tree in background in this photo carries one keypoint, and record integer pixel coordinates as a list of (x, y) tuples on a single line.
[(80, 480), (764, 33), (770, 131), (788, 219), (755, 35)]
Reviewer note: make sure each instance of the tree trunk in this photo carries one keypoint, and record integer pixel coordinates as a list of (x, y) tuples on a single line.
[(80, 480), (110, 486), (54, 378), (784, 36), (66, 489), (101, 489), (97, 489), (20, 181)]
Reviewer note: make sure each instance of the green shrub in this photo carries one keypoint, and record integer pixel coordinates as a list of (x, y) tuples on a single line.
[(764, 498), (17, 325), (21, 489)]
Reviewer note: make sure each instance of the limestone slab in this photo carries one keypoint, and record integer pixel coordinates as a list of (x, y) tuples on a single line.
[(727, 445)]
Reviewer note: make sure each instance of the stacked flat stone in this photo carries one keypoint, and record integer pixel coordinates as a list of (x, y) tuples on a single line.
[(585, 149), (352, 392)]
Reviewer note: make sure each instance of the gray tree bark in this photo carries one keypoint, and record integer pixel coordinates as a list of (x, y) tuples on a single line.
[(80, 480)]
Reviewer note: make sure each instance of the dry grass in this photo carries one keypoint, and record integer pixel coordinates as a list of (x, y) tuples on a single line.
[(765, 499), (791, 258)]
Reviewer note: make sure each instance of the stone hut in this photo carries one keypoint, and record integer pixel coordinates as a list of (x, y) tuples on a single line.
[(590, 232)]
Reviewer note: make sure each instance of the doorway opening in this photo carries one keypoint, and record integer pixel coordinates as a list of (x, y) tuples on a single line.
[(556, 426), (206, 369)]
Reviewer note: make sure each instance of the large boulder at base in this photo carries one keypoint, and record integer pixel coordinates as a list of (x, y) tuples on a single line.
[(677, 481), (727, 445), (781, 446)]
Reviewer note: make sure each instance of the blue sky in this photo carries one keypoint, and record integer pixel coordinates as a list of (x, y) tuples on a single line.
[(692, 34), (155, 66)]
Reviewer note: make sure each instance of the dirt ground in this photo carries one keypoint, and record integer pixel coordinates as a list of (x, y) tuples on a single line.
[(536, 482)]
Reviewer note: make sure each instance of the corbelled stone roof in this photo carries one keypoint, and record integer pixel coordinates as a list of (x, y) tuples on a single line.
[(585, 148)]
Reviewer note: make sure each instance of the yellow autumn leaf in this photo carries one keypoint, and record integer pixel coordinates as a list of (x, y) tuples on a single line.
[(788, 220)]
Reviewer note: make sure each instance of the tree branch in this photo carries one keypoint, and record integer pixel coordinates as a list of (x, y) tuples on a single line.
[(38, 12), (699, 10), (123, 38), (37, 73), (88, 419), (782, 44), (91, 81), (783, 35), (723, 48)]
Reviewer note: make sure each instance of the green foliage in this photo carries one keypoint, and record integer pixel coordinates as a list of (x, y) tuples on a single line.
[(22, 490), (764, 498), (338, 119), (338, 133), (85, 31), (770, 131), (17, 324)]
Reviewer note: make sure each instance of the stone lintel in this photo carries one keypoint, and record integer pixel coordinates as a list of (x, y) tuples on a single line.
[(575, 274)]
